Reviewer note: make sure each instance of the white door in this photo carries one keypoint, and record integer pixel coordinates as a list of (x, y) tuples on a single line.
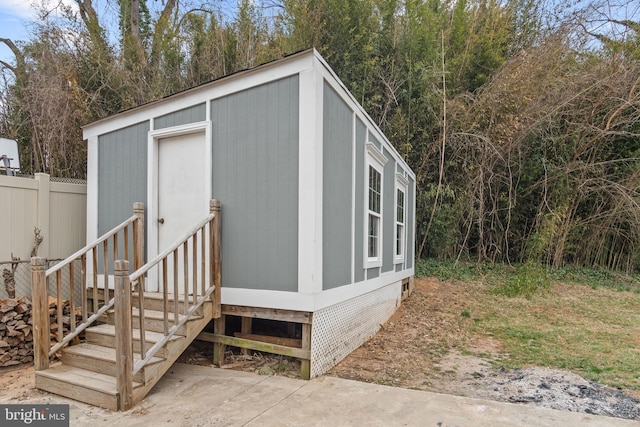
[(182, 198)]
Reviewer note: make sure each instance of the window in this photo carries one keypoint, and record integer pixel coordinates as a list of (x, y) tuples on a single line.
[(374, 178), (399, 223), (400, 220), (375, 193)]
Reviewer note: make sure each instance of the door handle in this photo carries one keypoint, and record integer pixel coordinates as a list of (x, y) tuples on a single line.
[(161, 220)]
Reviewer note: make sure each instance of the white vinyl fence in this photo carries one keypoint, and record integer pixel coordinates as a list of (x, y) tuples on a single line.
[(55, 207)]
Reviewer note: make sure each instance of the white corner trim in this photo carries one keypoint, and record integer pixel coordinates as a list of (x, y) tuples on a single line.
[(92, 197), (92, 189), (353, 196), (309, 175)]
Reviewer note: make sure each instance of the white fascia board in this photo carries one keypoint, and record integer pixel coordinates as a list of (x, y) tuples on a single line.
[(345, 293), (201, 94), (334, 81), (310, 183), (306, 302)]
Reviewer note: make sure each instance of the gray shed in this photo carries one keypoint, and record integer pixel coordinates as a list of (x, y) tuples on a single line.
[(318, 208)]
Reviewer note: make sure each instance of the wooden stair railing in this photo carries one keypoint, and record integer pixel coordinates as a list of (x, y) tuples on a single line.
[(206, 257), (40, 278), (195, 281)]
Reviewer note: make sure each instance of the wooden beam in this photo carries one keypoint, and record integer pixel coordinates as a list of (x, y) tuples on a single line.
[(287, 342), (268, 313), (246, 329), (255, 345)]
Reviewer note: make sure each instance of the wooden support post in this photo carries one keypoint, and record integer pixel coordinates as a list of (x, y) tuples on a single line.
[(41, 325), (305, 364), (246, 329), (124, 342), (218, 348), (216, 226)]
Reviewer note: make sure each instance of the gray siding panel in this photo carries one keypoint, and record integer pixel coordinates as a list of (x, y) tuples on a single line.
[(185, 116), (410, 224), (372, 273), (388, 214), (361, 136), (375, 142), (255, 176), (337, 152), (122, 175)]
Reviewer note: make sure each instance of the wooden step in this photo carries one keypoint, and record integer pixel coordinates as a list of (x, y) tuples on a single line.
[(81, 384), (88, 371), (105, 335), (99, 359), (154, 320), (155, 301)]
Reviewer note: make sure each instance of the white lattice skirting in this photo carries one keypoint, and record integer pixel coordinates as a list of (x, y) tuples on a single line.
[(340, 329)]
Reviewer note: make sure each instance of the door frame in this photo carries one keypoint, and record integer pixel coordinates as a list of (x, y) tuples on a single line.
[(151, 226)]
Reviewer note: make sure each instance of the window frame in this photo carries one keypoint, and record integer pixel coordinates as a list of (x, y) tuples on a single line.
[(376, 160), (402, 185)]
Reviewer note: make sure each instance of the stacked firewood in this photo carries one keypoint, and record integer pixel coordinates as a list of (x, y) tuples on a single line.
[(66, 320), (16, 336), (16, 328)]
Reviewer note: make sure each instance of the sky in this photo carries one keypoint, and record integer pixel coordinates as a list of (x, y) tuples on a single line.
[(15, 15)]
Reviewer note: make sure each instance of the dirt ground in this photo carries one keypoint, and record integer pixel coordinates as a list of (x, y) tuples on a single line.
[(426, 345)]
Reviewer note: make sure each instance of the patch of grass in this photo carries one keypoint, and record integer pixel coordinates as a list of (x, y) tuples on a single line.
[(528, 280), (594, 333), (583, 320), (597, 278)]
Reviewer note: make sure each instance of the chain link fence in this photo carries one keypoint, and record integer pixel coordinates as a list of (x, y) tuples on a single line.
[(18, 275)]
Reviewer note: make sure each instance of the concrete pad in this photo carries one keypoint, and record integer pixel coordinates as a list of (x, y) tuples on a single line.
[(203, 396)]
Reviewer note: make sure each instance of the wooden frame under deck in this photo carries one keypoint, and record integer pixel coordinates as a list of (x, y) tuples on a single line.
[(246, 340)]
